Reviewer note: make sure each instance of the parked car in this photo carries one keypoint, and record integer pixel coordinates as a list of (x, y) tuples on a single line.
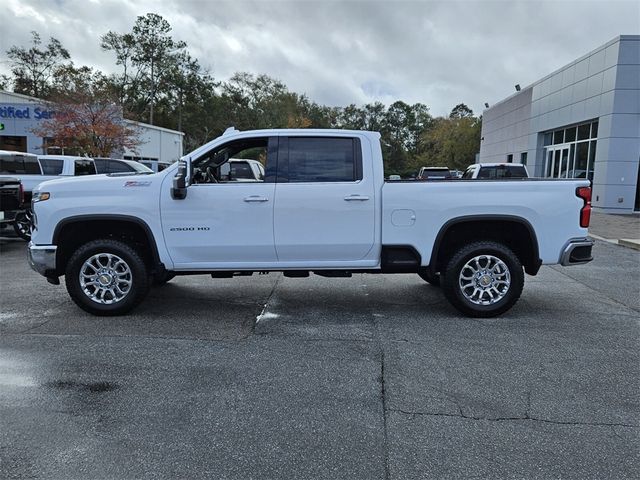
[(11, 206), (117, 165), (322, 207), (241, 170), (434, 173), (155, 165), (394, 178), (456, 173), (495, 171)]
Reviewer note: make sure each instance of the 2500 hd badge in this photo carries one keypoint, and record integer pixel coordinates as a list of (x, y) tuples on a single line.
[(189, 229)]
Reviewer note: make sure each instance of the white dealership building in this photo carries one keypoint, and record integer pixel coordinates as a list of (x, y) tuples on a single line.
[(20, 114), (581, 121)]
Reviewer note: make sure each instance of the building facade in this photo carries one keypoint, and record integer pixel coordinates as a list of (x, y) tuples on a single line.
[(21, 114), (581, 121)]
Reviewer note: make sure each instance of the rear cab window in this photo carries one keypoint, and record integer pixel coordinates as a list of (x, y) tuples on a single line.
[(323, 159), (51, 166), (84, 167), (19, 164)]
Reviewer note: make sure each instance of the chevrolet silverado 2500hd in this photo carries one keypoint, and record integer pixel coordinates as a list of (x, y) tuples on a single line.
[(322, 206)]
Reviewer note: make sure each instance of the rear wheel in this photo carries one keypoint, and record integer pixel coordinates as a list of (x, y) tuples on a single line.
[(483, 279), (106, 277)]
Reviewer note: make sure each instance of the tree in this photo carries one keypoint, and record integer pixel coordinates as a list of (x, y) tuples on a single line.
[(34, 67), (461, 111), (452, 142), (149, 57), (87, 121)]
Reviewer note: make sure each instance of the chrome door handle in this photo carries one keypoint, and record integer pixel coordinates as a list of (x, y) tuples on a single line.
[(355, 197), (256, 198)]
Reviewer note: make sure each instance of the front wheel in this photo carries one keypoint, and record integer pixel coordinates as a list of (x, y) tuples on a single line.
[(22, 225), (106, 277), (483, 279)]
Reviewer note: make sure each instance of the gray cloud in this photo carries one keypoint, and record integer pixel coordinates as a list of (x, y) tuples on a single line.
[(436, 52)]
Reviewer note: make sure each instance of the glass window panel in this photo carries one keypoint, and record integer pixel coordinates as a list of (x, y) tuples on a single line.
[(523, 158), (547, 139), (572, 160), (549, 163), (558, 137), (321, 160), (118, 167), (565, 163), (85, 167), (570, 135), (594, 130), (556, 164), (592, 159), (583, 131), (51, 166), (582, 152)]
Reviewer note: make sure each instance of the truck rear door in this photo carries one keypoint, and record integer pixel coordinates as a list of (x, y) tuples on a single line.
[(325, 207)]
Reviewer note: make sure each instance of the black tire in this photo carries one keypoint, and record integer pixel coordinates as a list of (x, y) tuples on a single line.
[(429, 277), (139, 277), (22, 226), (451, 279), (162, 278)]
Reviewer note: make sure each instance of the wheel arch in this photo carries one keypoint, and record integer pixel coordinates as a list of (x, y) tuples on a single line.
[(515, 232), (77, 230)]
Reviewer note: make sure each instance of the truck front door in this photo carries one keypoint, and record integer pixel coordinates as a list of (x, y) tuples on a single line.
[(222, 223)]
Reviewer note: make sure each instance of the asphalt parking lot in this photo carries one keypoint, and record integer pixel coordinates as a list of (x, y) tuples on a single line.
[(362, 378)]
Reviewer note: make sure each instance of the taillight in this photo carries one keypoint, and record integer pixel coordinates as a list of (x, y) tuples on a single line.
[(585, 212)]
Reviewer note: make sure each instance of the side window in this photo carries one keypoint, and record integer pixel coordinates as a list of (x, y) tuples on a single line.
[(102, 165), (487, 173), (84, 167), (231, 162), (324, 159), (51, 166), (118, 167)]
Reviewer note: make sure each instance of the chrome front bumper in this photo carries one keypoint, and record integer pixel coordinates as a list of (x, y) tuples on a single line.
[(577, 252), (42, 258)]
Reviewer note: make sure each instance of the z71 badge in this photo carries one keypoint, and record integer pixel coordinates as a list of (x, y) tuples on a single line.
[(136, 183)]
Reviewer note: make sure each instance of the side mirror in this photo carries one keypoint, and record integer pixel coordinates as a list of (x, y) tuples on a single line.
[(181, 180)]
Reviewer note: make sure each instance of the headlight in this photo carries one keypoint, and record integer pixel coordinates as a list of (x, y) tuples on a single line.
[(40, 196)]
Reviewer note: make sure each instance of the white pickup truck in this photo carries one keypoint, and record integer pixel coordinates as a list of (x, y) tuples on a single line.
[(323, 207), (32, 169)]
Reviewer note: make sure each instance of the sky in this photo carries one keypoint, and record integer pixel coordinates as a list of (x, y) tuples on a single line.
[(439, 53)]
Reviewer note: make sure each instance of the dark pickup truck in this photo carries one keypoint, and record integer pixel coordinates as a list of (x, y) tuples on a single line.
[(11, 206)]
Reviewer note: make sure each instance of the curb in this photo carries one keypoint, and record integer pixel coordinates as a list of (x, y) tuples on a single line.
[(629, 242), (626, 242)]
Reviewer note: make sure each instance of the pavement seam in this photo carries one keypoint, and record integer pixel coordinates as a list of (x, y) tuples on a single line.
[(383, 393), (526, 417), (264, 309)]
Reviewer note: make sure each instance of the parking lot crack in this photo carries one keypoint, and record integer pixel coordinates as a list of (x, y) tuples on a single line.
[(383, 391), (526, 417)]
